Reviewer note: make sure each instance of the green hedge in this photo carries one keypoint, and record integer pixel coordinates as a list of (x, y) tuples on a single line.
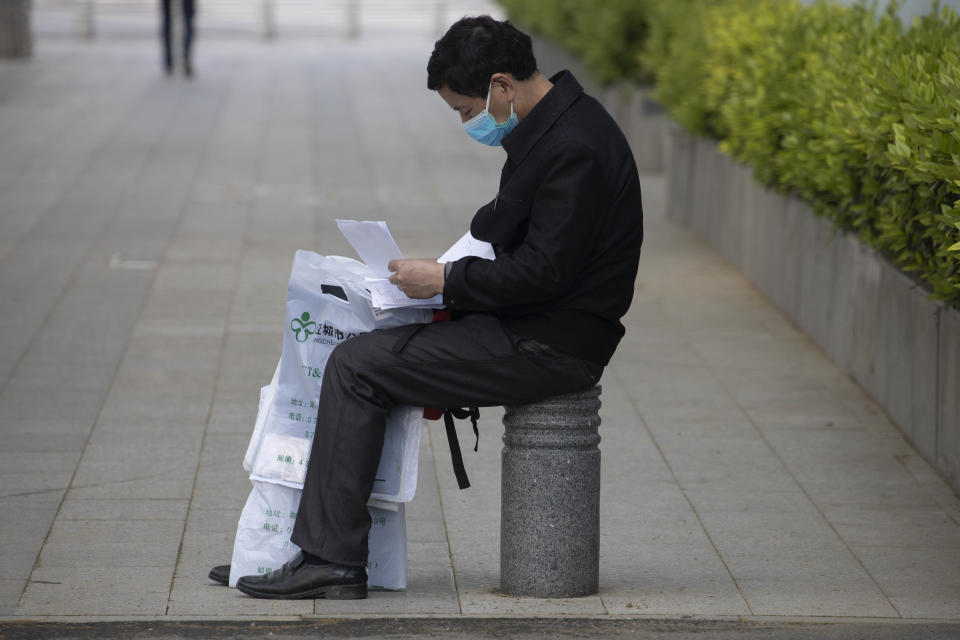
[(841, 106), (604, 33)]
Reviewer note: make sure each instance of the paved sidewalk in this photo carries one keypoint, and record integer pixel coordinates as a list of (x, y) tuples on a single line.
[(147, 228)]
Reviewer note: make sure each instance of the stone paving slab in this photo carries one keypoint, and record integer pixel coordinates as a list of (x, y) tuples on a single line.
[(146, 236)]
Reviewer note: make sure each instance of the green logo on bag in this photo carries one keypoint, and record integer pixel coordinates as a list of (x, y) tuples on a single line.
[(324, 333), (305, 329)]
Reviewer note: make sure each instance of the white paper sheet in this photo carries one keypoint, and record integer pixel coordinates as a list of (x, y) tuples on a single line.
[(376, 247), (386, 295), (373, 243), (468, 246)]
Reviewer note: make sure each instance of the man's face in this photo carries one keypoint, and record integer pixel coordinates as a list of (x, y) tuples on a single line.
[(468, 106)]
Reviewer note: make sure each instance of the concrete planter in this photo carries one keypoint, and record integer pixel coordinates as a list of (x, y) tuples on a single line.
[(642, 120), (679, 153), (827, 284), (894, 348), (872, 320), (16, 39), (948, 417)]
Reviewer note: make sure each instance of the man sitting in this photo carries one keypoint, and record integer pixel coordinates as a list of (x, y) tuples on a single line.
[(541, 319)]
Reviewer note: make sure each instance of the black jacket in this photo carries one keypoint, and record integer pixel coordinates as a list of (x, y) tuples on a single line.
[(566, 226)]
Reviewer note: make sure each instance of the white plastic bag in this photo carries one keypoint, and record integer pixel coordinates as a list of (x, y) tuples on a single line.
[(267, 395), (283, 459), (387, 562), (326, 304), (396, 479), (263, 545)]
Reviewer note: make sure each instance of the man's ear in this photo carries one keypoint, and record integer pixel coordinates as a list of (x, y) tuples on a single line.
[(504, 82)]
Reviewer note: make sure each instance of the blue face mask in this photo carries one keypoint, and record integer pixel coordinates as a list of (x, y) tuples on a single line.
[(483, 128)]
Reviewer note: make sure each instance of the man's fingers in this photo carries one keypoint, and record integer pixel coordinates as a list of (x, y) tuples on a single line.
[(416, 277)]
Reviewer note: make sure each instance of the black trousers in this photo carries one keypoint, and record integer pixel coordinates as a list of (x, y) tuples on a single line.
[(471, 361), (165, 29)]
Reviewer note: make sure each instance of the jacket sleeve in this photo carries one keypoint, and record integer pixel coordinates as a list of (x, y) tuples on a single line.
[(564, 219)]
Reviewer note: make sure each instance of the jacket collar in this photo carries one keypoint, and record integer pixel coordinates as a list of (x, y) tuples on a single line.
[(562, 94)]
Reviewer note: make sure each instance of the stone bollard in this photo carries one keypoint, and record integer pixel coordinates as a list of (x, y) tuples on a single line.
[(16, 39), (550, 497)]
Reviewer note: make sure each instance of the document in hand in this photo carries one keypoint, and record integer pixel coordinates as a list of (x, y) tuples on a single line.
[(386, 295), (373, 243), (376, 247), (468, 246)]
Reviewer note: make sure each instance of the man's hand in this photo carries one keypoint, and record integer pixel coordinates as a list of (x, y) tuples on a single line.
[(417, 278)]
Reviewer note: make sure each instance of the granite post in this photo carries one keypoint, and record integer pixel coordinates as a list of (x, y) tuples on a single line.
[(16, 39), (550, 497)]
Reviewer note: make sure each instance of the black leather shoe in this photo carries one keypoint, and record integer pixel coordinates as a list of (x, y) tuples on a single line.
[(297, 579), (220, 573)]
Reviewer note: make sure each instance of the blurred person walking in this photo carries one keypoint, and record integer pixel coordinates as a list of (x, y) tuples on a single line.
[(166, 28)]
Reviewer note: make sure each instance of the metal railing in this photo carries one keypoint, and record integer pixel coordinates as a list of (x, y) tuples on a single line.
[(265, 19)]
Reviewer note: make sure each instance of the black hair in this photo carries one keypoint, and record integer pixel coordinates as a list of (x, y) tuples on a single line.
[(473, 49)]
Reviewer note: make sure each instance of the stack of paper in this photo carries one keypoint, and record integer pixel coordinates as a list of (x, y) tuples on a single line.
[(386, 295), (376, 247)]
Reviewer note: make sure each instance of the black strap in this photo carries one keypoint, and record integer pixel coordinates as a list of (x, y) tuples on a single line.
[(458, 470)]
